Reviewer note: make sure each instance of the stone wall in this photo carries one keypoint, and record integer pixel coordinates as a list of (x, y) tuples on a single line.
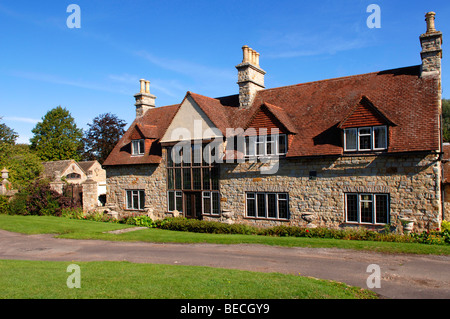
[(151, 178), (412, 182)]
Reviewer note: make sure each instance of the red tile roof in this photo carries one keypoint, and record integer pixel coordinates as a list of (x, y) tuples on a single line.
[(315, 110), (152, 125)]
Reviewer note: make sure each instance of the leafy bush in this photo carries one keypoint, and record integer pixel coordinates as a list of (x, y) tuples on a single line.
[(141, 221), (445, 226), (202, 226), (349, 233), (18, 204), (4, 204), (42, 200)]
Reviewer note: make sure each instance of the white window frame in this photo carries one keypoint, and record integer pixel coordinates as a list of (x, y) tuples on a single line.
[(177, 196), (374, 208), (358, 134), (370, 135), (385, 137), (136, 149), (135, 195), (277, 206), (260, 142), (210, 195), (355, 134)]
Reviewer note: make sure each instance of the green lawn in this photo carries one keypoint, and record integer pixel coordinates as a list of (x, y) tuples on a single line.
[(83, 229), (123, 280)]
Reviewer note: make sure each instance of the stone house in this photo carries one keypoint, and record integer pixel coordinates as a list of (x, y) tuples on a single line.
[(88, 176), (362, 150)]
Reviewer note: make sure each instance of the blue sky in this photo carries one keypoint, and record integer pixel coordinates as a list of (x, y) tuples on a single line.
[(193, 46)]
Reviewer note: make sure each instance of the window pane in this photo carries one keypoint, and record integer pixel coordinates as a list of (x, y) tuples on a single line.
[(260, 145), (261, 203), (282, 147), (216, 203), (380, 137), (197, 178), (206, 178), (179, 201), (129, 200), (176, 155), (272, 205), (282, 206), (270, 145), (250, 145), (171, 196), (178, 178), (141, 199), (251, 205), (206, 203), (382, 207), (141, 147), (366, 208), (170, 184), (169, 157), (134, 147), (206, 155), (350, 139), (186, 155), (365, 142), (215, 177), (352, 207), (196, 155), (186, 178), (135, 200)]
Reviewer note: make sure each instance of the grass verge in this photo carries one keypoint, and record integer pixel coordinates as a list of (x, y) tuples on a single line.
[(83, 229), (123, 280)]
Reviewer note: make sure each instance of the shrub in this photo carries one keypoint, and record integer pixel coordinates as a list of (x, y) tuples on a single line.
[(141, 221), (445, 226), (4, 204), (18, 204), (42, 200)]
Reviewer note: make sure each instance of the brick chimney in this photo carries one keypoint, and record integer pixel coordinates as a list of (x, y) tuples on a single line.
[(144, 100), (431, 42), (250, 77)]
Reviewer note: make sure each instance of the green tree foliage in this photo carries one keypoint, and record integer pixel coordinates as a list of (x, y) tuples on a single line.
[(7, 135), (102, 135), (57, 137), (24, 166), (446, 119)]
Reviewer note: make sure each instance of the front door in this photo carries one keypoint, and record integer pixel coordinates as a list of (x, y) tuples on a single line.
[(193, 205)]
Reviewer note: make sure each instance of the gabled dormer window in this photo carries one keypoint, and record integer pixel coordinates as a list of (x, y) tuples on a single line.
[(137, 147), (372, 138)]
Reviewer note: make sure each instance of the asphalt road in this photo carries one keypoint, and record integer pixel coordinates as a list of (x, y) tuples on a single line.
[(401, 276)]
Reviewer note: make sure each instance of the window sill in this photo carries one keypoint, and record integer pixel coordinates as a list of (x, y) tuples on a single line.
[(268, 218), (365, 224)]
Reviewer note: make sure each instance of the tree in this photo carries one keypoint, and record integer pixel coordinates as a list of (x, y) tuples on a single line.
[(102, 135), (24, 165), (57, 137), (7, 135), (446, 119)]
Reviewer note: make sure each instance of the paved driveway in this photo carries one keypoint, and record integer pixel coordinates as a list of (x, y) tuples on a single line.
[(402, 276)]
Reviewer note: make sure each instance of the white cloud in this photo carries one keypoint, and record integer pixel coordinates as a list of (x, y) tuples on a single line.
[(20, 119)]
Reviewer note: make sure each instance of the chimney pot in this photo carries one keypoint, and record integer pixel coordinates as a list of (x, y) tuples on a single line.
[(147, 87), (245, 52), (142, 85), (429, 18)]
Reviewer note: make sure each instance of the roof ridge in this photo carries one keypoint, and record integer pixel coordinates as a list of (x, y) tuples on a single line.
[(339, 78)]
